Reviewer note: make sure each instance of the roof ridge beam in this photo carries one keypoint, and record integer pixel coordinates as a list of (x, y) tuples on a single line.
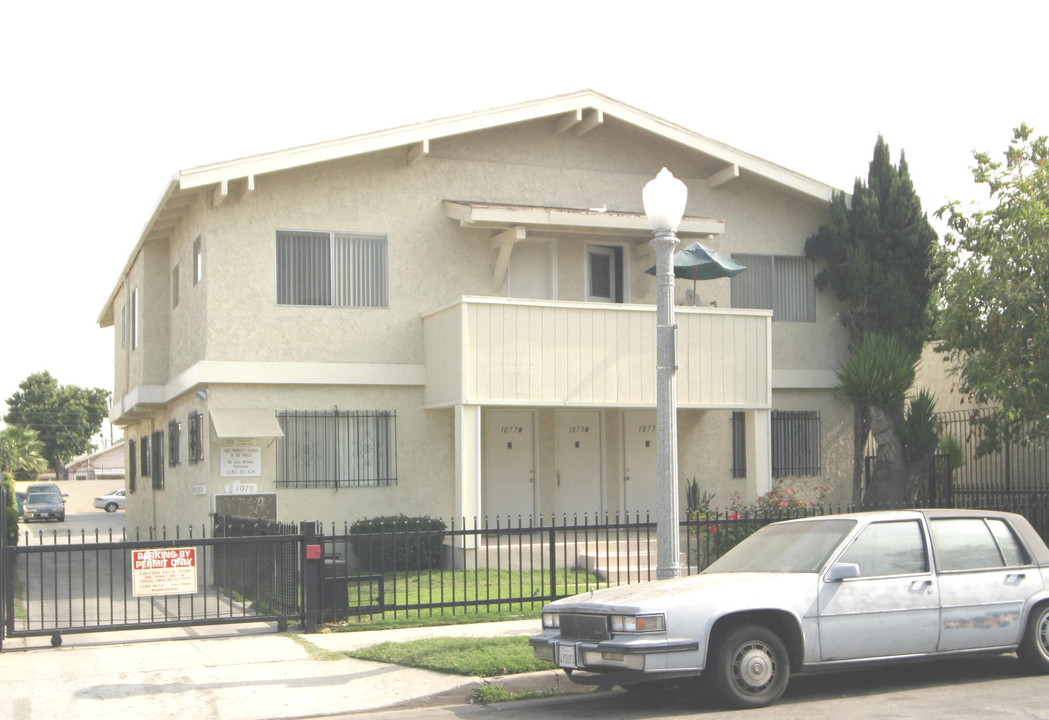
[(723, 176)]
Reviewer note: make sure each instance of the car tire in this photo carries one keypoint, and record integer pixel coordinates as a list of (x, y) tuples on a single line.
[(62, 517), (111, 507), (1034, 648), (749, 667)]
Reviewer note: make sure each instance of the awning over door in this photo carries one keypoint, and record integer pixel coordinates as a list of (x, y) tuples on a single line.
[(230, 423)]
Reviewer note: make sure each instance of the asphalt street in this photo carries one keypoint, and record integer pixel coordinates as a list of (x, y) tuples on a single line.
[(994, 687)]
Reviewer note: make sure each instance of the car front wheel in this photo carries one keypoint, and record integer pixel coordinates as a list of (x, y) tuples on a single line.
[(1034, 649), (111, 507), (749, 667)]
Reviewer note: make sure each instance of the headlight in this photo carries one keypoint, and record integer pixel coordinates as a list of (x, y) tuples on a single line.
[(638, 623), (551, 620)]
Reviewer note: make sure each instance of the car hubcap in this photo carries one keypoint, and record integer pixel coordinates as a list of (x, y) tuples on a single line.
[(754, 667)]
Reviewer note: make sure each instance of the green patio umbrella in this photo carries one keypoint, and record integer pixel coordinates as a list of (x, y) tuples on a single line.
[(699, 262)]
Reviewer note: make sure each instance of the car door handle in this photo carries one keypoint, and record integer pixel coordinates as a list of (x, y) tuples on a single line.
[(1015, 578), (919, 585)]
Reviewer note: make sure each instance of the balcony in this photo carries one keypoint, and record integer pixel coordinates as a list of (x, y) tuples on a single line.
[(499, 351)]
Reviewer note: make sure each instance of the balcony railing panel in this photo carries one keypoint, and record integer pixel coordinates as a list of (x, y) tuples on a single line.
[(491, 351)]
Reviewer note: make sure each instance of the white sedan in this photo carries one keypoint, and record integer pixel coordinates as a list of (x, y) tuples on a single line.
[(111, 502), (823, 593)]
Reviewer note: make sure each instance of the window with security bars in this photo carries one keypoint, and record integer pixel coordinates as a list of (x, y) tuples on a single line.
[(146, 459), (132, 467), (337, 448), (783, 284), (158, 460), (331, 269), (195, 450), (174, 441), (795, 443)]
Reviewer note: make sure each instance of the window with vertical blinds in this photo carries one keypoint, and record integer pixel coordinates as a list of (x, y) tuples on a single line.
[(786, 285), (331, 269)]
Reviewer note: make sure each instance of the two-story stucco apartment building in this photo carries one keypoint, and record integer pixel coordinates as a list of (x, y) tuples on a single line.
[(453, 319)]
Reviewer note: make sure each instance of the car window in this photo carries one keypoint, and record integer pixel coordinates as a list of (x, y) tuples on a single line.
[(40, 498), (964, 544), (1012, 549), (792, 547), (889, 548)]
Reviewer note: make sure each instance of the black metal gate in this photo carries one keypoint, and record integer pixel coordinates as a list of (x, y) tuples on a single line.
[(87, 584)]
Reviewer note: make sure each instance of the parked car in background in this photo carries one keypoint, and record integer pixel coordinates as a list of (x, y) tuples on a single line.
[(111, 502), (817, 594), (46, 488), (44, 506)]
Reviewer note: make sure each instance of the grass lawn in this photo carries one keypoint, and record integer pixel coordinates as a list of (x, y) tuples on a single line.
[(472, 657), (447, 597)]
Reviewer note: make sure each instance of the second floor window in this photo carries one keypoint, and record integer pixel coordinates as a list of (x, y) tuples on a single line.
[(783, 284), (146, 463), (174, 440), (331, 269), (196, 438)]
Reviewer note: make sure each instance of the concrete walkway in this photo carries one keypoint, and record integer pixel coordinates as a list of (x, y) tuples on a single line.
[(246, 672)]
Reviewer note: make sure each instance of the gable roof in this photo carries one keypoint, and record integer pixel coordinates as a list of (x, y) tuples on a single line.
[(577, 112)]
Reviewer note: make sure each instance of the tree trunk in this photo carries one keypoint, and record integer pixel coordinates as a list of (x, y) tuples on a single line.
[(891, 478), (861, 427)]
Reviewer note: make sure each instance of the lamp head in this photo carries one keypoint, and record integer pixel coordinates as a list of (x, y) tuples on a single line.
[(664, 198)]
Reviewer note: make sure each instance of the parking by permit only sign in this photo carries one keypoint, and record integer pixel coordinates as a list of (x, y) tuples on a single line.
[(168, 571)]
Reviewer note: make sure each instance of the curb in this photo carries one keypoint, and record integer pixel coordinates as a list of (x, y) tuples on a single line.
[(552, 682)]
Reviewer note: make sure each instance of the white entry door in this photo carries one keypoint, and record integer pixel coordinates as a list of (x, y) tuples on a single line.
[(509, 464), (577, 435), (531, 271), (640, 488)]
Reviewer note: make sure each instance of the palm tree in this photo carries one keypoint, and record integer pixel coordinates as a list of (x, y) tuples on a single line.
[(877, 376), (21, 452)]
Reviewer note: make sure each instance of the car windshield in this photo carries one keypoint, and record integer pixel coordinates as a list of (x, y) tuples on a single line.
[(798, 547), (44, 499)]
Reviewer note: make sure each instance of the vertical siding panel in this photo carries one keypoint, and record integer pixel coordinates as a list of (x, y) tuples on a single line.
[(685, 355), (637, 367), (611, 357), (624, 359), (597, 359), (718, 359), (549, 393), (574, 355), (648, 356), (509, 362), (495, 350), (560, 353), (479, 327), (520, 352), (534, 316)]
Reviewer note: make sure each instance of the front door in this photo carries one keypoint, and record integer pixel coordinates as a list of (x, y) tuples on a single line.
[(892, 608), (530, 274), (510, 463), (577, 436), (640, 490)]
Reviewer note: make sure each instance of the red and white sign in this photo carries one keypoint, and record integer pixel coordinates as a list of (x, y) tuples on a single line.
[(168, 571)]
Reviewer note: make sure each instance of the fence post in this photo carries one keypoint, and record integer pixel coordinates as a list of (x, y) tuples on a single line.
[(553, 560), (312, 562), (3, 560)]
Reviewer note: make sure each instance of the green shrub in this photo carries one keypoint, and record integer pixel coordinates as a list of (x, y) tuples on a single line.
[(398, 542), (11, 509)]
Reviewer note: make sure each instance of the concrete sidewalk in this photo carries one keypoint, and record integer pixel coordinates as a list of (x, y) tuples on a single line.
[(247, 672)]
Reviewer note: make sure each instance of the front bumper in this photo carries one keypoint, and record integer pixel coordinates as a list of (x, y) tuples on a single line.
[(631, 657)]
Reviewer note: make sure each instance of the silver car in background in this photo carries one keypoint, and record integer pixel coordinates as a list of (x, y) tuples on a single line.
[(816, 594)]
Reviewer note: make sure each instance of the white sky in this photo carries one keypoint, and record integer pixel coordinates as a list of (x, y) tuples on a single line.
[(104, 101)]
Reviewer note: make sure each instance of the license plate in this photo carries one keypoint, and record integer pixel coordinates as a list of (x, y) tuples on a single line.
[(566, 656)]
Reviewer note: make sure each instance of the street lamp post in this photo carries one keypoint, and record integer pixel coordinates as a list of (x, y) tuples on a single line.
[(664, 199)]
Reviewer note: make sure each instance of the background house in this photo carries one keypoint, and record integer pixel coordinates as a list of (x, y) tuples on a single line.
[(452, 319), (104, 464)]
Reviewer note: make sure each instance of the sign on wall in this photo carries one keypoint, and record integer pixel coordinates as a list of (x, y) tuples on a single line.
[(247, 505), (168, 571), (240, 461)]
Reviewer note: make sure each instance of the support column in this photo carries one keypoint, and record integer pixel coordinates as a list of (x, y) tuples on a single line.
[(759, 451), (467, 470)]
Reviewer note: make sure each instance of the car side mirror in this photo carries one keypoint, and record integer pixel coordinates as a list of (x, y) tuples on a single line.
[(842, 571)]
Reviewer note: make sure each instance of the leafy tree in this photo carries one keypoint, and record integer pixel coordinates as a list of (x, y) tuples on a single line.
[(877, 376), (11, 510), (993, 319), (65, 416), (21, 452), (876, 256)]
